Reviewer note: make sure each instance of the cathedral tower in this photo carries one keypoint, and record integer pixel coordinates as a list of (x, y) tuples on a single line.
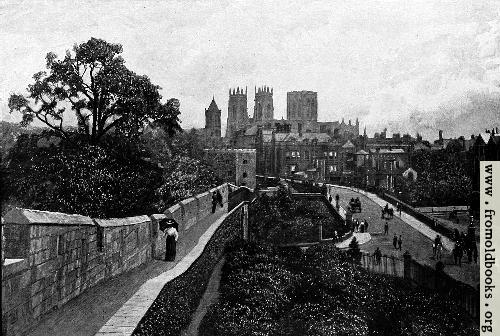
[(264, 108), (237, 114), (212, 120), (302, 105)]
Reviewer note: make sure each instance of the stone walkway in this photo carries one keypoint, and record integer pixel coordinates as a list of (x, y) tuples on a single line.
[(87, 313), (416, 236)]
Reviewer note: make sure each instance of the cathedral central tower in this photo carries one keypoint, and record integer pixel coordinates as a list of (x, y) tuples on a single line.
[(263, 109)]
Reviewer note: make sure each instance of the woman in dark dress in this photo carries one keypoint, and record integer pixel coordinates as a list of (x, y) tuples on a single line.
[(169, 228), (171, 242)]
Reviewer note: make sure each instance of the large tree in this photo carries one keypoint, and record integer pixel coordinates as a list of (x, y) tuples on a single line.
[(93, 81)]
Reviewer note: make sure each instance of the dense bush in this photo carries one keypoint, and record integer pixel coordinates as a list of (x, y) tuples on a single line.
[(443, 179), (281, 219), (116, 178), (325, 295), (99, 181)]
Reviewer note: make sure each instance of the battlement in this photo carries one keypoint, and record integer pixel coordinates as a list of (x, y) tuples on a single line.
[(263, 91), (238, 92)]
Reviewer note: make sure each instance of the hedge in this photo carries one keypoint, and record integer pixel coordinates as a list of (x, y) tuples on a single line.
[(172, 310), (269, 291)]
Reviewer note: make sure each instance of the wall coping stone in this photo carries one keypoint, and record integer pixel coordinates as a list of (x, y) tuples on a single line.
[(158, 217), (187, 200), (123, 221), (206, 193), (13, 266), (173, 208), (29, 216)]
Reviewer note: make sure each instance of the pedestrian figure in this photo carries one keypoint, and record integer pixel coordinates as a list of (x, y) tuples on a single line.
[(219, 199), (386, 228), (398, 208), (395, 241), (366, 225), (400, 242), (214, 202), (455, 253), (378, 256), (172, 236), (456, 235), (436, 246)]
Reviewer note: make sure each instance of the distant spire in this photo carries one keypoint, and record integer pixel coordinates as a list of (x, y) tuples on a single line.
[(364, 132)]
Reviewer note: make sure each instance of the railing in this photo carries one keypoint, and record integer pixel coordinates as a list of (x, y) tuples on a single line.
[(425, 277), (433, 223), (388, 265)]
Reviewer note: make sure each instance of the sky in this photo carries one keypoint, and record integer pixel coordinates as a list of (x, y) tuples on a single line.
[(410, 66)]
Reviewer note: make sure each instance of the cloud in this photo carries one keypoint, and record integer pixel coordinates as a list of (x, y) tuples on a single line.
[(378, 60)]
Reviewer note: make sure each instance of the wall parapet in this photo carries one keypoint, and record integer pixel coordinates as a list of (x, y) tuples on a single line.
[(29, 216), (122, 221), (65, 254)]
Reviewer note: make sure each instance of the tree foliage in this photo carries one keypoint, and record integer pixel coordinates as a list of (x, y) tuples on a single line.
[(184, 177), (93, 81), (443, 179), (97, 181)]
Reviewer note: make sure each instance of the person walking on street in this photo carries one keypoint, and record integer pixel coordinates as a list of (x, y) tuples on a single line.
[(400, 242), (366, 225), (386, 228), (378, 256), (395, 241)]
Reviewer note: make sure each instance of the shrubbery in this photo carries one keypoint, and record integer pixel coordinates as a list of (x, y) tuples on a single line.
[(80, 178), (268, 290), (117, 178), (282, 220)]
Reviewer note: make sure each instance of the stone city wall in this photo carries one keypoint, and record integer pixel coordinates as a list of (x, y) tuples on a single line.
[(53, 257)]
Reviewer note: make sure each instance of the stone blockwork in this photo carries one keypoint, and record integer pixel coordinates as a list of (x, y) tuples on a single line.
[(52, 257)]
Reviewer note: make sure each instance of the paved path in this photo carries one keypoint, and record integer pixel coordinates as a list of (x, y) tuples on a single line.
[(87, 313), (416, 236), (362, 238)]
